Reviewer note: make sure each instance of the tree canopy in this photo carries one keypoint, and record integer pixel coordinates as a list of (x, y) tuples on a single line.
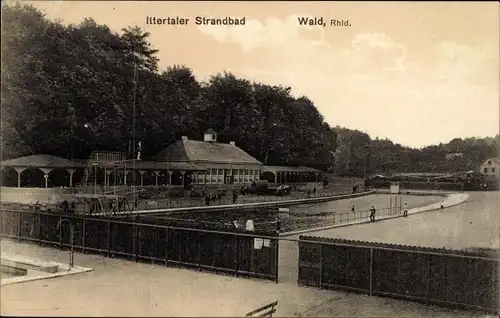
[(359, 155)]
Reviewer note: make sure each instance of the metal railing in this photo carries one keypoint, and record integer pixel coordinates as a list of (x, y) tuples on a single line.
[(304, 221)]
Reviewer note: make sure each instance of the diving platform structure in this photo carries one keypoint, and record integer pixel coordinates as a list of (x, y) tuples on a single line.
[(104, 189)]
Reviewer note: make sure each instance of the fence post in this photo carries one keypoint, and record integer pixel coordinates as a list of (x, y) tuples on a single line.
[(60, 233), (321, 246), (237, 256), (20, 226), (276, 257), (371, 271), (153, 248), (428, 283), (39, 229), (166, 246), (83, 234), (109, 238), (134, 239), (199, 249)]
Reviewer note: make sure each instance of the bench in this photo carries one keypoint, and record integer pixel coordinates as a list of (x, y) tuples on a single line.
[(266, 311)]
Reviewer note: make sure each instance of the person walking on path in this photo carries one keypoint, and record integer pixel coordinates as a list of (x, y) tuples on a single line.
[(442, 205), (65, 207), (235, 197), (405, 211), (372, 214)]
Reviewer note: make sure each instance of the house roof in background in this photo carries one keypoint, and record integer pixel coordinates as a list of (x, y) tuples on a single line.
[(495, 160), (42, 161), (201, 151), (210, 131)]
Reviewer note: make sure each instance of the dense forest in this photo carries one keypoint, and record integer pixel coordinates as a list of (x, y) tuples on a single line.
[(71, 89), (359, 155)]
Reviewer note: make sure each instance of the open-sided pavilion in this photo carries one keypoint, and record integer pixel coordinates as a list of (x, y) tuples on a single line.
[(44, 163)]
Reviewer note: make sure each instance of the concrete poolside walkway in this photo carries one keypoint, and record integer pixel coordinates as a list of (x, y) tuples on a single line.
[(250, 205), (470, 225), (450, 200)]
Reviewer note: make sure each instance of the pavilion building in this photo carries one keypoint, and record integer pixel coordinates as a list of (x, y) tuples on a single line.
[(219, 163), (203, 163)]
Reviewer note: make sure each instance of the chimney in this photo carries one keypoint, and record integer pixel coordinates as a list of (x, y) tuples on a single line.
[(184, 138), (232, 143)]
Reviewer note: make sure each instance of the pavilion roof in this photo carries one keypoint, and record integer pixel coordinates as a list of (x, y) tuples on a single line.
[(42, 161), (289, 169), (196, 151), (155, 165)]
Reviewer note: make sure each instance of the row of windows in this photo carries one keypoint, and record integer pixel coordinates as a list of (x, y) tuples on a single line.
[(485, 170), (226, 176)]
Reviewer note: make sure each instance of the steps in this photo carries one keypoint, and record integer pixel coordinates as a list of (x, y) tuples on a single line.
[(20, 263)]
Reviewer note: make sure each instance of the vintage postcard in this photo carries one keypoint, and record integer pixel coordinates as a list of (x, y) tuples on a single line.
[(250, 159)]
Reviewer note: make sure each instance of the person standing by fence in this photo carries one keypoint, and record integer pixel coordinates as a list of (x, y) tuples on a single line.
[(372, 214), (72, 208), (405, 211)]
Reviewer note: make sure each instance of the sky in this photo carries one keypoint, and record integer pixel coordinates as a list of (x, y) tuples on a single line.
[(418, 73)]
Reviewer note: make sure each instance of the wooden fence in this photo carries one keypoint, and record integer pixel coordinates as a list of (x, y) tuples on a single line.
[(433, 276), (238, 253)]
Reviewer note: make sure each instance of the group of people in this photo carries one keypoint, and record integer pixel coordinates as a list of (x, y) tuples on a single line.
[(214, 196), (405, 211), (313, 192)]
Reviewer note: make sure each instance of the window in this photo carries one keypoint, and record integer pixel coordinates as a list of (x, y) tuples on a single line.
[(220, 176), (213, 179), (236, 176), (242, 175), (492, 170), (485, 170)]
